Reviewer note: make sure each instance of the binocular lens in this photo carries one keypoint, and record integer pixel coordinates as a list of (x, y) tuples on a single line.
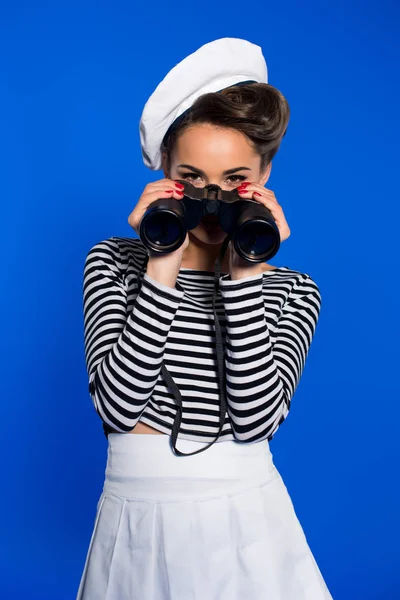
[(163, 228), (257, 238)]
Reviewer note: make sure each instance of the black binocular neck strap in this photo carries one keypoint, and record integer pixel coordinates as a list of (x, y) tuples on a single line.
[(220, 364)]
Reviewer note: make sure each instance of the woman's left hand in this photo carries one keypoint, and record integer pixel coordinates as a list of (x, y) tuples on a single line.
[(238, 267)]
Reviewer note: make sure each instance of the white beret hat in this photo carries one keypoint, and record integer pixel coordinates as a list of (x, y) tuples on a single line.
[(213, 67)]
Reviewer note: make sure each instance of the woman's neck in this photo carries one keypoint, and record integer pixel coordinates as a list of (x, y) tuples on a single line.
[(202, 257)]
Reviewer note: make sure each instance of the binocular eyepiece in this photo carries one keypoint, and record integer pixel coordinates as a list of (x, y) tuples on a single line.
[(251, 226)]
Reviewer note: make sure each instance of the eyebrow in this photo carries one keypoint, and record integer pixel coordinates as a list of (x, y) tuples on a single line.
[(227, 172)]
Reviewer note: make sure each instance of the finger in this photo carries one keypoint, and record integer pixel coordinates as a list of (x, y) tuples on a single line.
[(152, 196), (163, 184), (272, 205), (261, 197), (255, 187), (266, 199)]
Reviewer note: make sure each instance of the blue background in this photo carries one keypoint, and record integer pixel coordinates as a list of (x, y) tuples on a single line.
[(74, 79)]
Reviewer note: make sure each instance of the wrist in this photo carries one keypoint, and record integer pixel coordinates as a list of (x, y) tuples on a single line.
[(162, 270), (243, 273)]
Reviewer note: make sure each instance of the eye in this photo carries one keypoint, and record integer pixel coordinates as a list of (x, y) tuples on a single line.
[(235, 179), (192, 176)]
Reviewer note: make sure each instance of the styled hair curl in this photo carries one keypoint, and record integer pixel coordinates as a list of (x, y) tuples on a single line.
[(258, 110)]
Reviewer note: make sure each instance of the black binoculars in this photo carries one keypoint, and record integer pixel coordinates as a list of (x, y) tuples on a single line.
[(251, 226)]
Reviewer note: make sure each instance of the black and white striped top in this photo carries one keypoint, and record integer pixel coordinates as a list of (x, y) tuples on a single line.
[(267, 325)]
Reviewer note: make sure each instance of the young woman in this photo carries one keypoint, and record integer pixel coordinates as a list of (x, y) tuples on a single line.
[(181, 524)]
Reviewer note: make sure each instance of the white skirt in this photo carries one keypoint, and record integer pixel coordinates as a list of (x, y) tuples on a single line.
[(219, 525)]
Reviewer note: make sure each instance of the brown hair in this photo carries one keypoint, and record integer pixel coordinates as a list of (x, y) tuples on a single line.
[(258, 110)]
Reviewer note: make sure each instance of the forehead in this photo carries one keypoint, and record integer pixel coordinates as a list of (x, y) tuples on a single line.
[(209, 146)]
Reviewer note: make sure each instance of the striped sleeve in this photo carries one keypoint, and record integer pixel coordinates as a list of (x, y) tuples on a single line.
[(263, 370), (123, 348)]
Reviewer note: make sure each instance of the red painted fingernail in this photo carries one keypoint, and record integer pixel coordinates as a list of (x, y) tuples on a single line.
[(180, 186), (178, 192), (257, 194), (244, 183), (169, 191)]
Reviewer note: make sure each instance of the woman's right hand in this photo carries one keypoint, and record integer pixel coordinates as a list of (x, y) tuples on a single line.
[(163, 188)]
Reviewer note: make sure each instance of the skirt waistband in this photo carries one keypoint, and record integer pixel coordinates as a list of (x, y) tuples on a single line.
[(144, 466)]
